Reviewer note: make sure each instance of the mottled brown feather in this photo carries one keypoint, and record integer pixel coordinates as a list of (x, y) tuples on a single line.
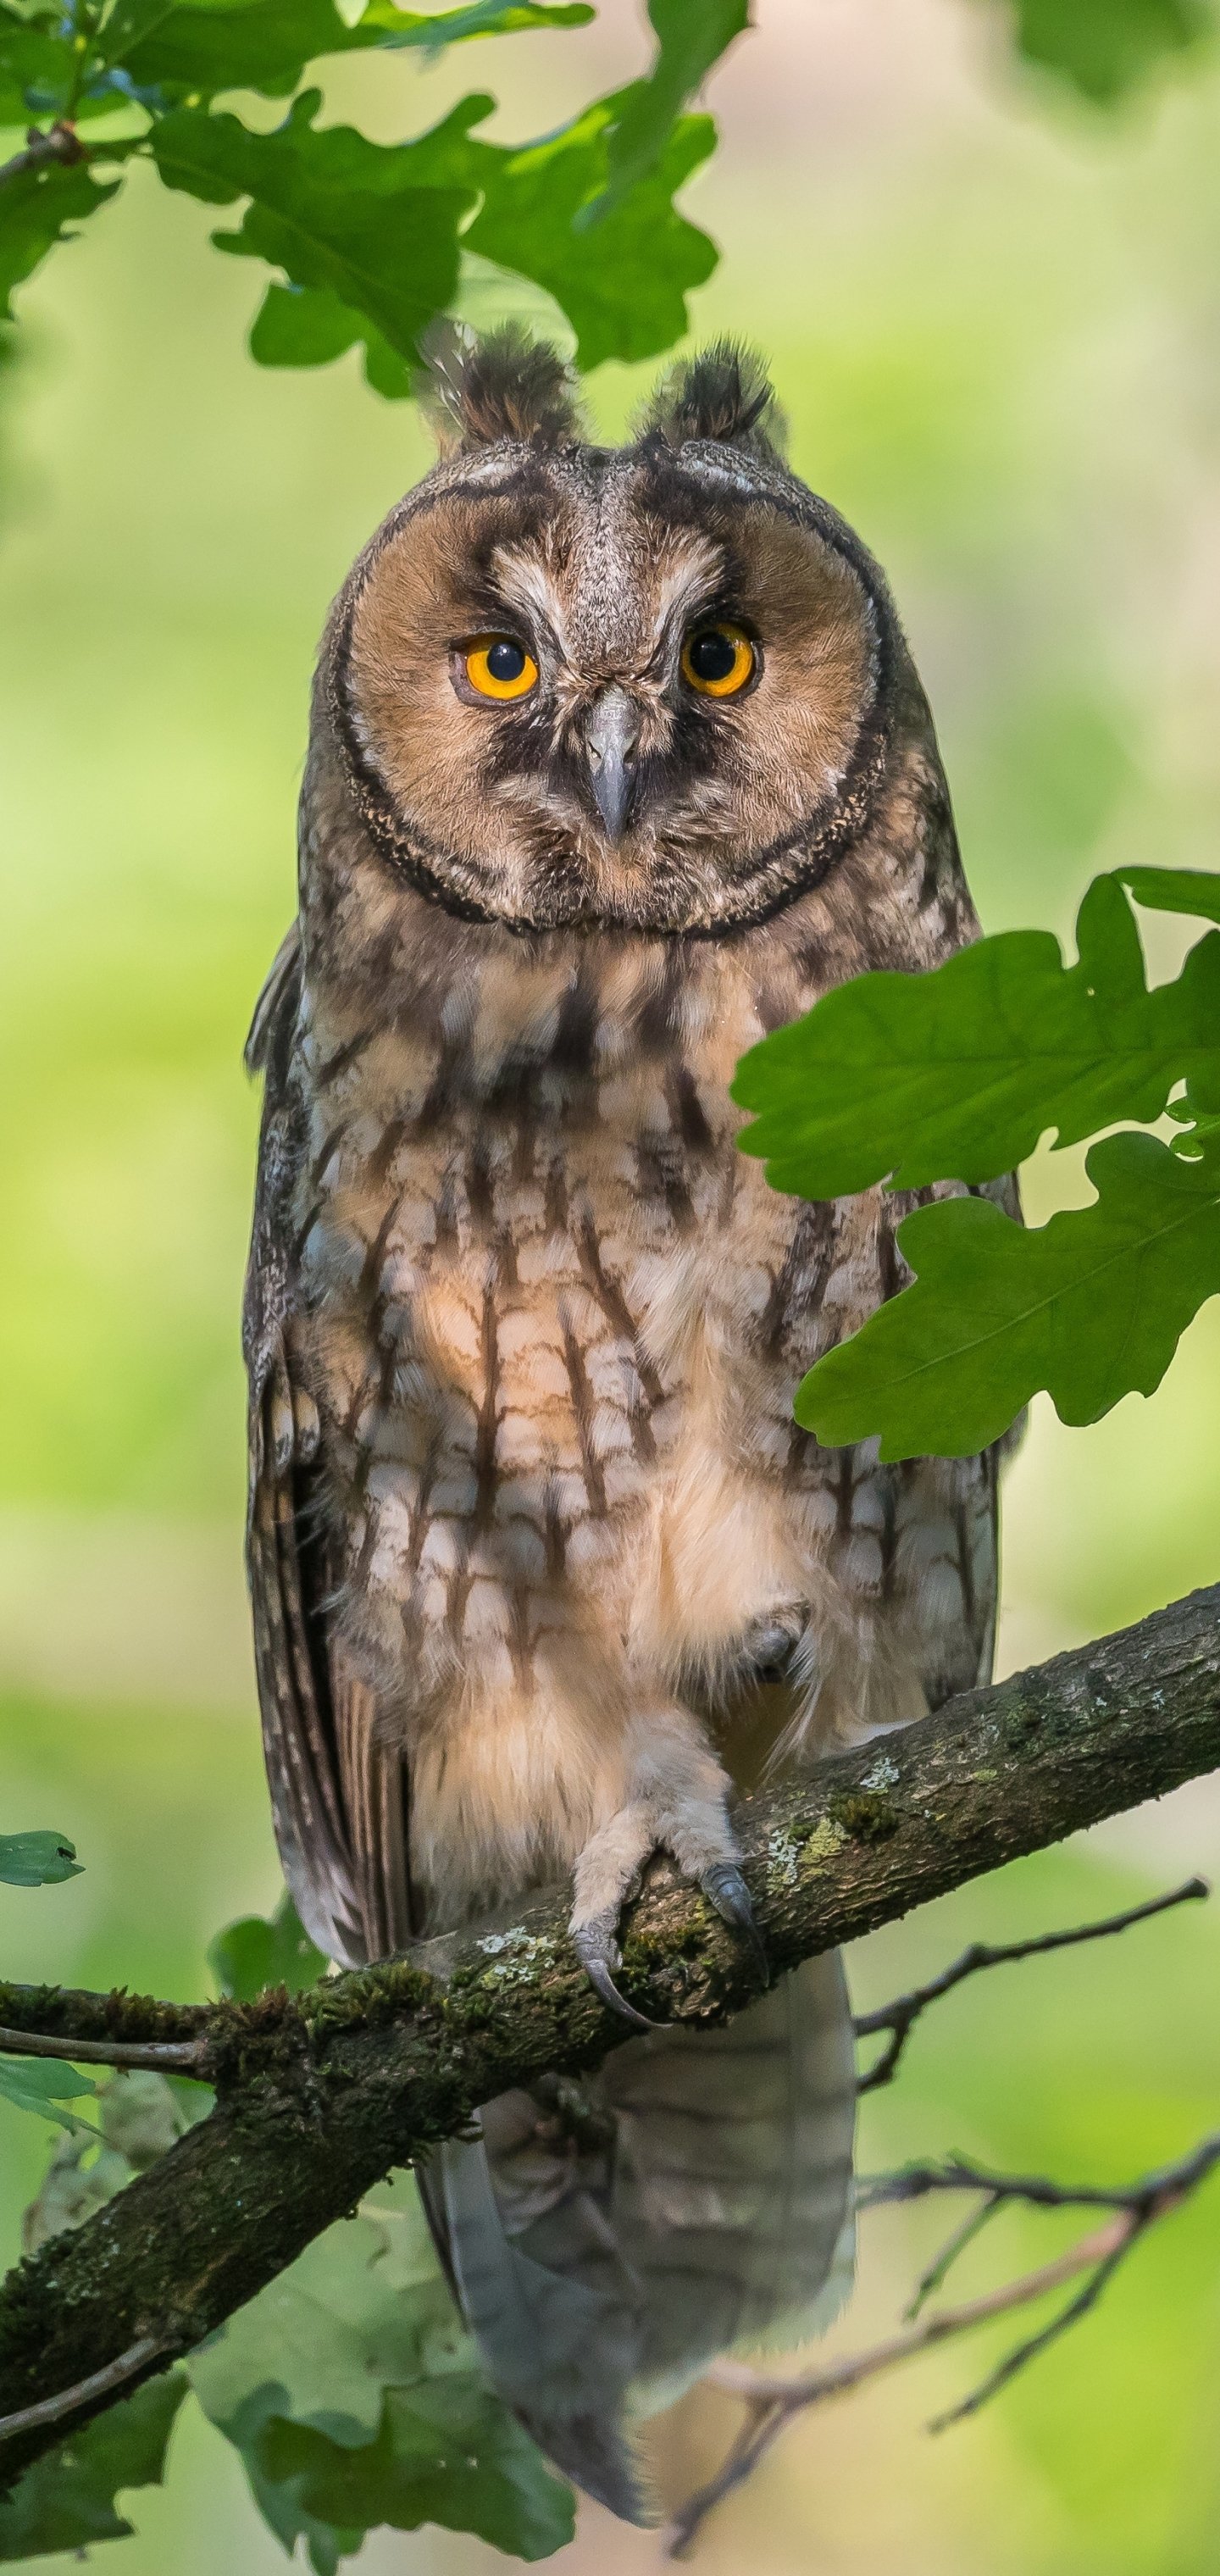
[(542, 1564)]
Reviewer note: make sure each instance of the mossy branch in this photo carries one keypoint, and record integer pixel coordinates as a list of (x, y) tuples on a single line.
[(318, 2095)]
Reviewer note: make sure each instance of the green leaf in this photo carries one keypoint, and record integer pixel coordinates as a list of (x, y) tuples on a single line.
[(300, 326), (67, 2499), (355, 2397), (1090, 1307), (623, 282), (37, 1860), (171, 46), (39, 208), (366, 223), (42, 2085), (955, 1074), (691, 37), (362, 2309), (1104, 48), (1191, 890), (255, 1953), (36, 63), (449, 2453), (370, 232)]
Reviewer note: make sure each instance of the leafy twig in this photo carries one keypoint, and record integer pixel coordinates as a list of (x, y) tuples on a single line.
[(899, 2018)]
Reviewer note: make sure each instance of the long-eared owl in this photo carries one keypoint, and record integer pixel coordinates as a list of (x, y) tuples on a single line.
[(618, 760)]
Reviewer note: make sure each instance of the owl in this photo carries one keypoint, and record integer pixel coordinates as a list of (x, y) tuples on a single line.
[(618, 760)]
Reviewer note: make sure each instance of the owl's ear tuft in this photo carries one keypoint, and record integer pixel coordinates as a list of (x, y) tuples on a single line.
[(505, 386), (724, 394)]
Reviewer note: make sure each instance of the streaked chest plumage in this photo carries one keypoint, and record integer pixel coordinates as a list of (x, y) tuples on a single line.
[(553, 1320), (542, 1320)]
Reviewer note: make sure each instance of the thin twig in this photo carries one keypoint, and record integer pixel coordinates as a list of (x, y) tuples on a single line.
[(957, 2173), (1124, 2230), (769, 2388), (772, 2400), (43, 149), (100, 2383), (900, 2017), (162, 2056), (939, 2269)]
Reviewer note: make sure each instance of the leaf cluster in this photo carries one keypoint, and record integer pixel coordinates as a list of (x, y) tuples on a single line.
[(258, 1952), (366, 240), (356, 2398), (349, 2387), (953, 1077)]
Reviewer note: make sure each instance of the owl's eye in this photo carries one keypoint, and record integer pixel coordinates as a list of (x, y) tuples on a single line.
[(718, 660), (498, 667)]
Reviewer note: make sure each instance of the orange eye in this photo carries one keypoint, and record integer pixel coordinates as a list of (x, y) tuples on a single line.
[(718, 660), (498, 667)]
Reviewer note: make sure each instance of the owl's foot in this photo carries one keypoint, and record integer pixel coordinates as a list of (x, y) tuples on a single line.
[(599, 1955), (726, 1890), (684, 1813)]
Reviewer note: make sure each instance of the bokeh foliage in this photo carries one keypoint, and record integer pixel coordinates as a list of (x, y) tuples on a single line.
[(368, 238), (149, 975)]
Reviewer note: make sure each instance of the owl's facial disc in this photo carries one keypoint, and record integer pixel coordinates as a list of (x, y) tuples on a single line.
[(609, 688)]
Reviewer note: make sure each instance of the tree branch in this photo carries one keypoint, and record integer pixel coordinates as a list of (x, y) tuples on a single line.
[(772, 2400), (899, 2018), (43, 149), (318, 2095), (118, 2374), (181, 2057)]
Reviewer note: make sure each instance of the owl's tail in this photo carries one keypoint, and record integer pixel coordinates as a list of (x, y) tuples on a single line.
[(606, 2240)]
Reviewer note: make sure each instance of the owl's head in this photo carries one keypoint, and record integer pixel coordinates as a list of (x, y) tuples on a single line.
[(651, 686)]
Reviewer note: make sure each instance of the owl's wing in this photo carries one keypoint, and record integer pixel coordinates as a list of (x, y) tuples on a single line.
[(976, 1523), (284, 1548)]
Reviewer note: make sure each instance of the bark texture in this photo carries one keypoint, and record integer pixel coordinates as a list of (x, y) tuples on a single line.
[(319, 2095)]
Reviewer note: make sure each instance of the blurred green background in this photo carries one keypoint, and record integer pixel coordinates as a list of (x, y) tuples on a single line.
[(995, 327)]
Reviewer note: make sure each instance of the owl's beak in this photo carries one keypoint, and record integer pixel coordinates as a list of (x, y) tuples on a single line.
[(612, 735)]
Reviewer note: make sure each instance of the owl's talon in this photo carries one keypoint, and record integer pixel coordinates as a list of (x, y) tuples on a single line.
[(597, 1952), (726, 1891)]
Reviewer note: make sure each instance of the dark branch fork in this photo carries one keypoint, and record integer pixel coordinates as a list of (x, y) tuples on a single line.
[(44, 149), (319, 2095), (772, 2401)]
